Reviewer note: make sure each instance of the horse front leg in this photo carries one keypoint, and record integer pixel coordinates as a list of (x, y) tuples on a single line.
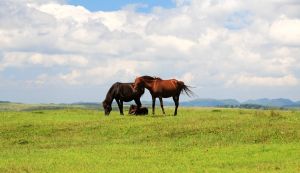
[(138, 103), (161, 105), (153, 105), (120, 105), (176, 101)]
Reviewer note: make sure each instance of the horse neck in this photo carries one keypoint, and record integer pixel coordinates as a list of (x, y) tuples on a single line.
[(109, 97), (149, 84)]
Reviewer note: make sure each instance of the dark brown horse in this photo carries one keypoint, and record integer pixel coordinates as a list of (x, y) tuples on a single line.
[(162, 89), (121, 92)]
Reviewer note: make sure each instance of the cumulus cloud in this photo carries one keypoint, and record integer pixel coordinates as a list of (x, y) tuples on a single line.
[(124, 70), (212, 44), (187, 78), (286, 31), (248, 80), (22, 59)]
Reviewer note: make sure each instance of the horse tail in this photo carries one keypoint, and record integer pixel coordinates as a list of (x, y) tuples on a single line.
[(186, 89)]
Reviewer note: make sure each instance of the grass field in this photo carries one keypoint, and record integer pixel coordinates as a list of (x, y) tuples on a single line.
[(197, 140)]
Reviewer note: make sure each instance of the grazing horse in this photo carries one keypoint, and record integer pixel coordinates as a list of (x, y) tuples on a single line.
[(121, 92), (162, 89)]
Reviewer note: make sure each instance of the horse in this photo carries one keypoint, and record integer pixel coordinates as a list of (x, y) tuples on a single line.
[(134, 110), (162, 89), (121, 92)]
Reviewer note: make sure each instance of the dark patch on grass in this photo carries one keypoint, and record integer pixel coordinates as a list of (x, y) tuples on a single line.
[(216, 110), (37, 109), (259, 113), (159, 116), (38, 112), (275, 114), (241, 112), (27, 125), (22, 142)]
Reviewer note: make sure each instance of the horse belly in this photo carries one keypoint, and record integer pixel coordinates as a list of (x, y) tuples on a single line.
[(126, 94), (166, 90), (167, 94), (127, 99)]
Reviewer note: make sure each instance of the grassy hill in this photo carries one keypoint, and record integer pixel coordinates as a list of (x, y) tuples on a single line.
[(197, 140)]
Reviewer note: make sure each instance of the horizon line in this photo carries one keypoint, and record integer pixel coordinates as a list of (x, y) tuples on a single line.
[(74, 102)]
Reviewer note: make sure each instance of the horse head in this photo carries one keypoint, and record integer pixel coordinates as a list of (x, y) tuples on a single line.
[(139, 85), (107, 108)]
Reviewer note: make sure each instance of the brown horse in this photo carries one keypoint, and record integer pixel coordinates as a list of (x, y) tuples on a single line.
[(162, 89)]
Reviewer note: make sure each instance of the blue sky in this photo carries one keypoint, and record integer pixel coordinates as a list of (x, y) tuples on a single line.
[(112, 5)]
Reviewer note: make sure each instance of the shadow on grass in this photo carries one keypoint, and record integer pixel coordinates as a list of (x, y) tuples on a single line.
[(161, 115)]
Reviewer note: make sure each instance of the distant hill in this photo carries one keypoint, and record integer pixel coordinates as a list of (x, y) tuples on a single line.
[(208, 102), (94, 105), (257, 103), (4, 102), (281, 102), (211, 102), (250, 104)]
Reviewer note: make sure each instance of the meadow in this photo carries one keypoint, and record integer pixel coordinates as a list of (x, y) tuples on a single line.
[(197, 140)]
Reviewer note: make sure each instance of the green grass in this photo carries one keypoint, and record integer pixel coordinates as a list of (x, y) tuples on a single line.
[(197, 140)]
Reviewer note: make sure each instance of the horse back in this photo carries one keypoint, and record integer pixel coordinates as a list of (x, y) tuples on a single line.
[(171, 84), (125, 92)]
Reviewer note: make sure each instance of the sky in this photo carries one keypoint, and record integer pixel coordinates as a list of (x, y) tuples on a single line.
[(104, 5), (63, 51)]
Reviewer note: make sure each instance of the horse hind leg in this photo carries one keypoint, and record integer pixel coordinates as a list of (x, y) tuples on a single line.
[(153, 105), (176, 101), (161, 105)]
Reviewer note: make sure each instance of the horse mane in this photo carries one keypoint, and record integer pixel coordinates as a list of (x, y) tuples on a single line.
[(151, 78)]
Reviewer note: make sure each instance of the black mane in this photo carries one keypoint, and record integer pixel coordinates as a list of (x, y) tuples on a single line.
[(150, 78)]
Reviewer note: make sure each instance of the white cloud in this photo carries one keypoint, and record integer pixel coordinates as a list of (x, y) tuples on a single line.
[(71, 78), (22, 59), (286, 31), (171, 42), (248, 80), (181, 2), (187, 78), (42, 79), (77, 13), (120, 70), (43, 1)]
